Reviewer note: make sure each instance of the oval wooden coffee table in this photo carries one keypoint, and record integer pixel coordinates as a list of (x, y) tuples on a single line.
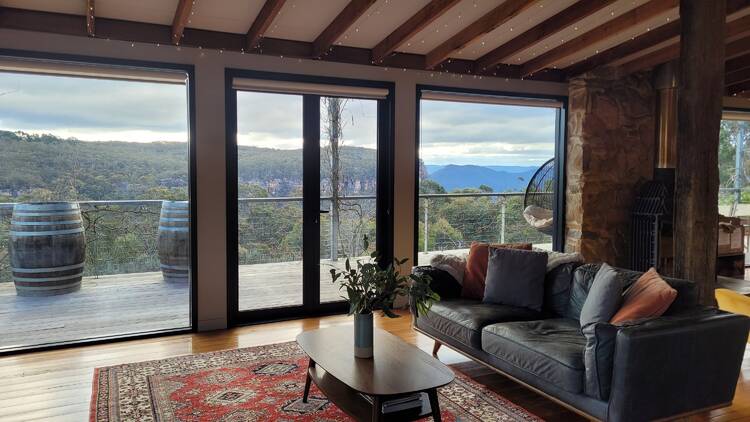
[(397, 369)]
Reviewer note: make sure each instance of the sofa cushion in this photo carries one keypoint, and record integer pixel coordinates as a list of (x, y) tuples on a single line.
[(515, 278), (687, 294), (604, 298), (476, 267), (463, 319), (599, 358), (551, 349), (557, 284), (649, 297)]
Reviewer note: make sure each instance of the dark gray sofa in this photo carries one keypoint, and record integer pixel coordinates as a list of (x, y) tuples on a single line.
[(686, 361)]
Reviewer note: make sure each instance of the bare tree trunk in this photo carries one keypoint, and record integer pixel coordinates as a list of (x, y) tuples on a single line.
[(333, 126)]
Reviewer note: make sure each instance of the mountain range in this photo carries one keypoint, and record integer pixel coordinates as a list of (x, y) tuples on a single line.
[(499, 178)]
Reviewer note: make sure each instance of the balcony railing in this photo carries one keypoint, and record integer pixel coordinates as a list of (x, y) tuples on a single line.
[(453, 220), (122, 235)]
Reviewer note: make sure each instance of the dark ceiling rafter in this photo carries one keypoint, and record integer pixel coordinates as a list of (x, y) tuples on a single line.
[(139, 32), (738, 63), (263, 21), (487, 23), (425, 16), (737, 78), (180, 21), (90, 23), (602, 32), (547, 28), (339, 25), (742, 89), (734, 49), (656, 36), (651, 38)]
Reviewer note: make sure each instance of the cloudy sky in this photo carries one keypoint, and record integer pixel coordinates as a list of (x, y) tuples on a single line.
[(105, 110), (93, 109)]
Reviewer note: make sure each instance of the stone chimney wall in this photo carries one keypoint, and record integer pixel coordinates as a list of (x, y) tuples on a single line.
[(610, 153)]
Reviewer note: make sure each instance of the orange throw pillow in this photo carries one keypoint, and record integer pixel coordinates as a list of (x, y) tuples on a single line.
[(649, 297), (476, 267)]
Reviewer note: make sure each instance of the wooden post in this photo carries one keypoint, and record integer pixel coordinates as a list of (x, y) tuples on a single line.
[(701, 89)]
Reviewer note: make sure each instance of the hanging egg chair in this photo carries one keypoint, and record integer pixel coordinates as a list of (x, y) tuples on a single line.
[(538, 202)]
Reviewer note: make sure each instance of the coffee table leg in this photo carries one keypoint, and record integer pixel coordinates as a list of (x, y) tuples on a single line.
[(377, 413), (434, 405), (308, 381)]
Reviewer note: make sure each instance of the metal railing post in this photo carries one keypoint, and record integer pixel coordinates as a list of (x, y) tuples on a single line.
[(426, 225), (502, 221)]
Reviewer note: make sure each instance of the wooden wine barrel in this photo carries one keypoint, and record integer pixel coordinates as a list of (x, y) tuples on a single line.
[(47, 248), (174, 240)]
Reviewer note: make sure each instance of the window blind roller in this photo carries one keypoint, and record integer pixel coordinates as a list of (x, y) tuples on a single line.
[(85, 70), (736, 115), (290, 87), (489, 99)]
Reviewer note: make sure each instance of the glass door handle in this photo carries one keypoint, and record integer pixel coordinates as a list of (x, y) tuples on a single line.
[(324, 211)]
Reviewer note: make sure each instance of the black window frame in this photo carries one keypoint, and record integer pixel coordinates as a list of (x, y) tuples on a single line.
[(189, 71), (311, 246), (561, 136)]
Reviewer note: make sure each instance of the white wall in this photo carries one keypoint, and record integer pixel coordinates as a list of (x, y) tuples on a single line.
[(210, 136)]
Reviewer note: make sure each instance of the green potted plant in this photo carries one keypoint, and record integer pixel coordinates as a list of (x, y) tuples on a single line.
[(372, 286)]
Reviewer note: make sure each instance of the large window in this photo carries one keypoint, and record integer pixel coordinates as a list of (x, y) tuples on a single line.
[(310, 176), (94, 202), (487, 171), (734, 175)]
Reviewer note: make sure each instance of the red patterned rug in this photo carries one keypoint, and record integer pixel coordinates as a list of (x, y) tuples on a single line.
[(253, 384)]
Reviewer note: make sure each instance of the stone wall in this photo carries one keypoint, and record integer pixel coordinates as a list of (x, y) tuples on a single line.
[(610, 153)]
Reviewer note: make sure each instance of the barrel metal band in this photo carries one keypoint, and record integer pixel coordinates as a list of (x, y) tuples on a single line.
[(47, 270), (46, 279), (174, 229), (47, 233), (43, 223)]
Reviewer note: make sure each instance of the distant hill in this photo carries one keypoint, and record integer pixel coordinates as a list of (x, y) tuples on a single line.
[(515, 169), (468, 176), (69, 168)]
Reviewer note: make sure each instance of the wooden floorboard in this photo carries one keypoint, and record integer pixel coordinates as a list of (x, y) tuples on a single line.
[(115, 305), (56, 385)]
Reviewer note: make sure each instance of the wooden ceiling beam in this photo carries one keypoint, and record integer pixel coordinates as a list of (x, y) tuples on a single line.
[(661, 34), (339, 25), (651, 38), (742, 89), (736, 78), (738, 48), (180, 20), (149, 33), (549, 27), (496, 17), (411, 27), (90, 24), (600, 33), (734, 49), (738, 63), (263, 21)]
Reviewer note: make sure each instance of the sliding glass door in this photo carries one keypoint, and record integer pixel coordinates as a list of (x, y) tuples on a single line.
[(307, 163)]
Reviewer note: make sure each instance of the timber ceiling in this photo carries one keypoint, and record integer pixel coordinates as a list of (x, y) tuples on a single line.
[(537, 39)]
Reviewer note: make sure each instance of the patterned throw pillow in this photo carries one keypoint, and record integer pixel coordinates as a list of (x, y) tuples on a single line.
[(476, 267), (649, 297)]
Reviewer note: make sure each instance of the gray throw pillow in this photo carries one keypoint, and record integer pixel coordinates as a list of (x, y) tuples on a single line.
[(604, 298), (515, 277)]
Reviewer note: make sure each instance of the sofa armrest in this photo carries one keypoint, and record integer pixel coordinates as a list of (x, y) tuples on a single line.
[(677, 364)]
